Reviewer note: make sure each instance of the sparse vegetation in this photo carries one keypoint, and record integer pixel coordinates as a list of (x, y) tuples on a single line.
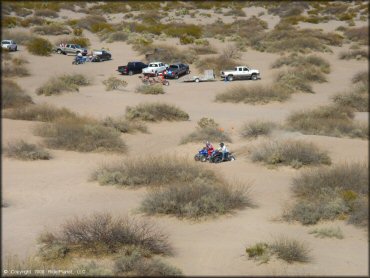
[(168, 54), (40, 47), (63, 83), (12, 95), (356, 98), (328, 232), (114, 36), (259, 252), (358, 34), (150, 89), (154, 112), (54, 29), (114, 83), (226, 60), (300, 61), (46, 13), (203, 49), (290, 152), (15, 67), (331, 193), (256, 128), (25, 151), (125, 126), (354, 54)]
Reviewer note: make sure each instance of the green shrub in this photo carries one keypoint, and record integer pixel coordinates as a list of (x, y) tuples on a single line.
[(12, 95), (9, 21), (150, 170), (328, 232), (256, 128), (290, 250), (154, 112), (113, 83), (289, 152), (101, 26), (125, 126), (24, 151), (46, 13), (77, 32), (253, 94), (259, 252), (185, 39), (80, 135), (40, 47), (51, 29), (150, 89), (63, 83)]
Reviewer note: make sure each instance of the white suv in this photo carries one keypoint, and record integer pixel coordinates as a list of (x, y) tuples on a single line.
[(9, 44)]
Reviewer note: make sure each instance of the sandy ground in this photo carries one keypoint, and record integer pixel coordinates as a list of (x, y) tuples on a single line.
[(43, 194)]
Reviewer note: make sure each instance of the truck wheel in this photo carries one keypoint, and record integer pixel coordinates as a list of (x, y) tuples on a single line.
[(230, 78), (187, 71), (59, 51), (254, 77), (197, 80), (130, 72)]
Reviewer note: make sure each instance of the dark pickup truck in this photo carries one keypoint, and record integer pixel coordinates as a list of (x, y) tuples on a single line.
[(101, 55), (132, 68), (176, 70)]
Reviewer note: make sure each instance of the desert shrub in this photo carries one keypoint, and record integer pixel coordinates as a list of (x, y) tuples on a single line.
[(328, 232), (102, 233), (38, 112), (40, 47), (113, 83), (259, 252), (150, 170), (257, 128), (101, 26), (80, 135), (19, 37), (235, 12), (330, 193), (207, 130), (154, 112), (360, 212), (300, 61), (9, 21), (33, 21), (15, 67), (196, 199), (285, 9), (51, 29), (254, 94), (12, 95), (290, 152), (115, 36), (77, 32), (22, 12), (177, 30), (63, 83), (125, 126), (354, 54), (201, 50), (24, 151), (82, 41), (90, 21), (356, 98), (290, 250), (167, 54), (185, 39), (362, 76), (359, 34), (329, 120), (46, 13), (150, 89)]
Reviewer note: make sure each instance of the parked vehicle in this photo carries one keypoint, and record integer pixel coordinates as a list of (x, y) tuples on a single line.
[(101, 55), (202, 155), (9, 44), (216, 157), (154, 68), (132, 68), (71, 48), (241, 72), (176, 70), (208, 76)]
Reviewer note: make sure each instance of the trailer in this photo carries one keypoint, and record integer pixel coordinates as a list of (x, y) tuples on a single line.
[(209, 75)]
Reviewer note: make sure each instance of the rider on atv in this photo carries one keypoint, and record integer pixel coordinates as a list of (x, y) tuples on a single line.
[(209, 148), (223, 150)]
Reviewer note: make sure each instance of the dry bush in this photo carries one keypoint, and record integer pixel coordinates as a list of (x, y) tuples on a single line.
[(331, 193), (328, 232), (40, 47), (331, 120), (38, 112), (151, 170), (93, 23), (207, 130), (285, 9), (19, 37), (63, 83), (290, 152), (54, 29), (120, 36), (102, 233), (81, 135), (15, 67), (9, 21), (82, 41), (357, 98), (166, 54), (235, 13), (290, 250), (154, 112), (46, 13), (33, 21), (203, 49), (113, 83), (227, 59), (300, 61), (13, 96), (358, 34), (253, 94), (21, 150), (354, 54), (125, 126), (257, 128), (150, 89), (362, 76)]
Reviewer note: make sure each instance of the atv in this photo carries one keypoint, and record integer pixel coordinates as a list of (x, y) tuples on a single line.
[(216, 157)]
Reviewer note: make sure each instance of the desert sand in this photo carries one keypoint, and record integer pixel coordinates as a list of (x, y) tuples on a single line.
[(43, 194)]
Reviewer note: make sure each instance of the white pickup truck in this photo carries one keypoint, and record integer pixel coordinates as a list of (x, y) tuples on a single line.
[(241, 72), (154, 68), (9, 44)]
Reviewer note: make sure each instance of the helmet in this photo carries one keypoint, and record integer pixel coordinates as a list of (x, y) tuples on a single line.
[(222, 144), (207, 143)]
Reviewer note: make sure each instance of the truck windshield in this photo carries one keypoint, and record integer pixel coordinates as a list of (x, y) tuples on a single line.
[(153, 65), (174, 67)]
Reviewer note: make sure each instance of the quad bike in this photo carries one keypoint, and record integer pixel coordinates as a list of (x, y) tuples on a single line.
[(78, 61), (202, 155), (216, 157), (154, 80)]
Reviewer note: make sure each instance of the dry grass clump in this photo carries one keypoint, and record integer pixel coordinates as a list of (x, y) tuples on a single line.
[(328, 232), (359, 34), (203, 49), (150, 89), (207, 130), (19, 37), (102, 234), (54, 29), (256, 94), (362, 76), (33, 21), (63, 83), (40, 47), (226, 60), (300, 61), (120, 36), (12, 95), (38, 112), (154, 112), (357, 98), (166, 54), (331, 120), (114, 83), (285, 9), (331, 193), (91, 22), (150, 170), (354, 54), (21, 150), (290, 152), (125, 126), (257, 128), (15, 67), (46, 13), (81, 135)]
